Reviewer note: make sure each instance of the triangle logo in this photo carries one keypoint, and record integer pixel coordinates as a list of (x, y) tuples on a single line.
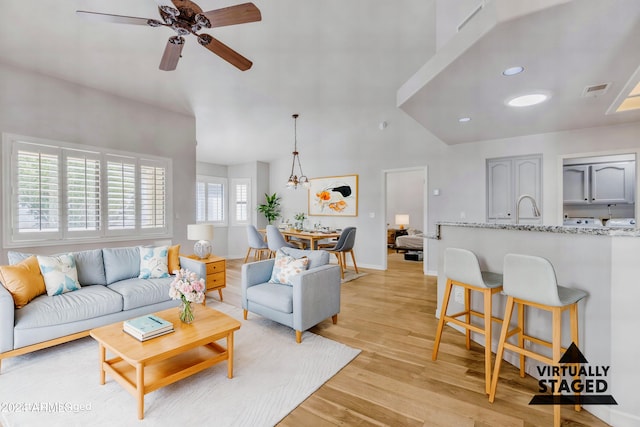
[(573, 355)]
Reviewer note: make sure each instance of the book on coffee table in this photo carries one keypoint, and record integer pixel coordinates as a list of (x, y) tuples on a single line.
[(148, 326), (147, 337)]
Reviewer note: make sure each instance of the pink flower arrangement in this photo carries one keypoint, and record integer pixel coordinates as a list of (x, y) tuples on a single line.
[(187, 286)]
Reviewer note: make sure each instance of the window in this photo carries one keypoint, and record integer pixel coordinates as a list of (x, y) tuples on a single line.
[(83, 192), (211, 199), (61, 192), (241, 205)]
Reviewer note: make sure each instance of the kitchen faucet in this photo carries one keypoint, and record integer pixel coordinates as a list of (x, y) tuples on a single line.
[(536, 212)]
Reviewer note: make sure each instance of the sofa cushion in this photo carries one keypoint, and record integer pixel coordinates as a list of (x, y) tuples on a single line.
[(23, 280), (15, 257), (90, 267), (285, 267), (140, 292), (85, 303), (121, 263), (272, 295), (316, 258), (59, 272), (173, 259), (153, 262)]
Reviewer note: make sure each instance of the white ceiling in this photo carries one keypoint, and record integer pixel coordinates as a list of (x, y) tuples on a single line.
[(310, 57), (563, 48), (327, 58)]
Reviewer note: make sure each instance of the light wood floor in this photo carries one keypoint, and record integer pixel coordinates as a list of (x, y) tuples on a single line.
[(389, 315)]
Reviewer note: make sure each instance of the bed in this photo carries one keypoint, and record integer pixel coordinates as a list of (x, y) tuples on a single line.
[(413, 241)]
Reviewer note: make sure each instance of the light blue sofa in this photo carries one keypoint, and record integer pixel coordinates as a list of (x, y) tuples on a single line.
[(313, 297), (110, 292)]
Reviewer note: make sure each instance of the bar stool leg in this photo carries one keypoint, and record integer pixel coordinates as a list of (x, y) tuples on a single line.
[(467, 309), (508, 311), (441, 322), (521, 337), (556, 344), (573, 313), (487, 339)]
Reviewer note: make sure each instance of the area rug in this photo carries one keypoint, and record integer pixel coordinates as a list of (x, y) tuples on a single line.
[(351, 275), (273, 374)]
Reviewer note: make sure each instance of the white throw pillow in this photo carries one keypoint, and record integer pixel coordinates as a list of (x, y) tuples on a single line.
[(154, 262), (59, 273), (285, 267)]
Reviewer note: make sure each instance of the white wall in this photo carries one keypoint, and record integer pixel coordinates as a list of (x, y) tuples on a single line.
[(35, 105)]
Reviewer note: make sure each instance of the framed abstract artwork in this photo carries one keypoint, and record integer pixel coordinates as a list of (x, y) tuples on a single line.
[(334, 196)]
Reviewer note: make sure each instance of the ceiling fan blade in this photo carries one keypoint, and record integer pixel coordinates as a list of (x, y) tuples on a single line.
[(119, 19), (239, 14), (224, 52), (171, 54)]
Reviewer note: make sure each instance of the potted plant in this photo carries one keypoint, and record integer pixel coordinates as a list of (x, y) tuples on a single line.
[(271, 208)]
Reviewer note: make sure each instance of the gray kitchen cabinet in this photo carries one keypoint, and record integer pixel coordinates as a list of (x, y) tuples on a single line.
[(600, 183), (507, 180)]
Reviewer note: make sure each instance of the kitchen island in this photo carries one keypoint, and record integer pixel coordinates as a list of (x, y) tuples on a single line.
[(605, 262)]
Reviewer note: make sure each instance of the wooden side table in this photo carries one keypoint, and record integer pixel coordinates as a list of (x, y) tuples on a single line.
[(216, 273)]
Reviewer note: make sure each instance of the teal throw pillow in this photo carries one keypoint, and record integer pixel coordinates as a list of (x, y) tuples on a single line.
[(285, 267), (154, 262), (59, 273)]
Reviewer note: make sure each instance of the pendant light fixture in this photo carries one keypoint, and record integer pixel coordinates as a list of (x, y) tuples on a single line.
[(294, 180)]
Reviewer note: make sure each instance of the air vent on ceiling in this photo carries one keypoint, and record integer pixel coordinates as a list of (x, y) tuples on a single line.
[(595, 90), (468, 18)]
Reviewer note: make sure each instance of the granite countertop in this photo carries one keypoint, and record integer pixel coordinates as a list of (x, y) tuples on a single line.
[(595, 231)]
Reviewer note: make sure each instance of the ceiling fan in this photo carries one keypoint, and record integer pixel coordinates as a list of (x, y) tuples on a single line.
[(185, 17)]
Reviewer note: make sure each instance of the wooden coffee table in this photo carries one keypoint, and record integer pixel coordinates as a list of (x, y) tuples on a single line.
[(142, 367)]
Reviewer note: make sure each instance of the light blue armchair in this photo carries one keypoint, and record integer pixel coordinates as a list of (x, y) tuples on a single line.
[(313, 297)]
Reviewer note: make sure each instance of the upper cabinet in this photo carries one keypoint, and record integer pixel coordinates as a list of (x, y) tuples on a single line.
[(599, 183), (507, 180)]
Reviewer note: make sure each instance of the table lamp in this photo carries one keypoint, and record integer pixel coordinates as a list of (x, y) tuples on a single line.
[(402, 220), (203, 233)]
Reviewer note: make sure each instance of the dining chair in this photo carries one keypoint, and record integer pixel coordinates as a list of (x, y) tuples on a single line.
[(345, 244), (275, 240), (256, 243)]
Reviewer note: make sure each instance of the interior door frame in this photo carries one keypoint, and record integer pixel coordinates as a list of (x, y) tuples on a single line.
[(425, 201)]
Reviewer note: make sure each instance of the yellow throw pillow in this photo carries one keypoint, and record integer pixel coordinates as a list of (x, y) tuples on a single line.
[(173, 258), (23, 280)]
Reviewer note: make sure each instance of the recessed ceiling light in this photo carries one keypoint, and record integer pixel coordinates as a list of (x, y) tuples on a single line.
[(527, 100), (513, 71), (464, 119)]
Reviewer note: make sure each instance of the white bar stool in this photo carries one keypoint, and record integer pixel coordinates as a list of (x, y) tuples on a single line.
[(531, 281), (461, 267)]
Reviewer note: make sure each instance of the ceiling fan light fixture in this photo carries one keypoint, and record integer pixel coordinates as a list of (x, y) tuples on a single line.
[(294, 180)]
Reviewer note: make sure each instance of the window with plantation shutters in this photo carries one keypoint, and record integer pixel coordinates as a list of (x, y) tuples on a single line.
[(58, 192), (83, 192), (37, 189), (152, 196), (241, 204), (121, 193), (211, 199)]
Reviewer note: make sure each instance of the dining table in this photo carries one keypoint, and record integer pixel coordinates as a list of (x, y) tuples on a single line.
[(313, 237)]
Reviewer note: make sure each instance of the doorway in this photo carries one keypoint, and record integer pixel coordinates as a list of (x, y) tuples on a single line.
[(405, 214)]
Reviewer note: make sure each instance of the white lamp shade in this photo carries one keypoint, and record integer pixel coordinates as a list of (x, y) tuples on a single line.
[(402, 219), (200, 232)]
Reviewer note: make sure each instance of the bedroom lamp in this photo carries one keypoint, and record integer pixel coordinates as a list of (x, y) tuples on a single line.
[(203, 233), (402, 220)]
